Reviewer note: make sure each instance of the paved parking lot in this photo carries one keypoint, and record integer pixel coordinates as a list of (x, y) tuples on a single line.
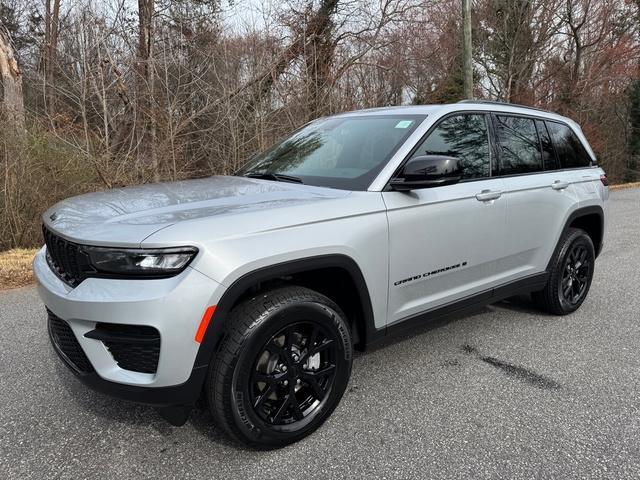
[(504, 392)]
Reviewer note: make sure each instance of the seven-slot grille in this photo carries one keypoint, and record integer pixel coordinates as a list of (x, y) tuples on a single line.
[(66, 258), (67, 344)]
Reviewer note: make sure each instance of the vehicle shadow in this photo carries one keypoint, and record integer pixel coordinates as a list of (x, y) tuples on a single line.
[(99, 404), (133, 414), (520, 303), (201, 419)]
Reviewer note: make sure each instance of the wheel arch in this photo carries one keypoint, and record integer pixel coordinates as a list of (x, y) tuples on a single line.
[(347, 282), (591, 220), (593, 224)]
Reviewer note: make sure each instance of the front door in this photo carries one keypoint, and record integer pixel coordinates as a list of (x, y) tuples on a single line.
[(445, 242)]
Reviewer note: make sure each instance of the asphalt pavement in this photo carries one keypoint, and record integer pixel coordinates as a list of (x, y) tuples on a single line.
[(504, 392)]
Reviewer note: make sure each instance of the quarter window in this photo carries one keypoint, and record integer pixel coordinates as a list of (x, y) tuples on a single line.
[(519, 145), (571, 152), (464, 137)]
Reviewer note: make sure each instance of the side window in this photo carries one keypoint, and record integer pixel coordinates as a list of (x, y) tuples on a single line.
[(571, 152), (549, 159), (519, 145), (462, 136)]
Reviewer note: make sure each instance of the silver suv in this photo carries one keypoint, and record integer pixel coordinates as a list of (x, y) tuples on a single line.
[(255, 288)]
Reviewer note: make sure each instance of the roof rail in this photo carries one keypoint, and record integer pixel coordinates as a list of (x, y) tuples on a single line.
[(506, 104)]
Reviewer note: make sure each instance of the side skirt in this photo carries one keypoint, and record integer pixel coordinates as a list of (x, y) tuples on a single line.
[(528, 284)]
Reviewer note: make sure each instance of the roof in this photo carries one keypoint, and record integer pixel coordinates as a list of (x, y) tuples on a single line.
[(465, 105)]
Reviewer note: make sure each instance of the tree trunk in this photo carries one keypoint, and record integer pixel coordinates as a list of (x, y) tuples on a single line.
[(146, 85), (11, 84), (52, 19)]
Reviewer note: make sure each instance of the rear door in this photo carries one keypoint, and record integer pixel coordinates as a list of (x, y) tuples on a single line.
[(538, 194), (575, 161), (444, 241)]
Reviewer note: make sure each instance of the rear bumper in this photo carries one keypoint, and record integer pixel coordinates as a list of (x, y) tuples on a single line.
[(172, 306)]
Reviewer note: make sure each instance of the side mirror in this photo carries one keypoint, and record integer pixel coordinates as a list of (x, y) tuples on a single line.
[(428, 171)]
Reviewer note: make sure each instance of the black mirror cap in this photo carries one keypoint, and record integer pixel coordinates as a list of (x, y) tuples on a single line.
[(428, 171)]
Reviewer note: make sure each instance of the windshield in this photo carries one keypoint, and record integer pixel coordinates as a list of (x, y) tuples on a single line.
[(337, 152)]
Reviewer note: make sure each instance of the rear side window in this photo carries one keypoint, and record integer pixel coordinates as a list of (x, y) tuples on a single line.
[(571, 152), (549, 158), (519, 145), (465, 137)]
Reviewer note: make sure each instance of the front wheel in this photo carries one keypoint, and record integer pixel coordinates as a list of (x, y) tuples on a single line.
[(570, 276), (282, 368)]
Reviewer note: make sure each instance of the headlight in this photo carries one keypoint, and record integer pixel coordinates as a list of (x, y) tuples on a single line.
[(143, 262)]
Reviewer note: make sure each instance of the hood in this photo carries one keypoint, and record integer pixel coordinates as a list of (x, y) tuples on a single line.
[(126, 216)]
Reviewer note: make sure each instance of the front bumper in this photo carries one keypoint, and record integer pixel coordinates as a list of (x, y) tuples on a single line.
[(173, 306)]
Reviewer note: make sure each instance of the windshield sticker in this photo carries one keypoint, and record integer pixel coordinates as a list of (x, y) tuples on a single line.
[(404, 124)]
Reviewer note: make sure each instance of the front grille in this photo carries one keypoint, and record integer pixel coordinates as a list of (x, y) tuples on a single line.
[(133, 347), (66, 342), (66, 258)]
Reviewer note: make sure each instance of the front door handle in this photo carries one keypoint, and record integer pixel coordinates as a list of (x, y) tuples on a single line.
[(486, 195), (559, 185)]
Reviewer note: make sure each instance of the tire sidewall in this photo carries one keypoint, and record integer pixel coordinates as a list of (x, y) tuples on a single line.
[(253, 428)]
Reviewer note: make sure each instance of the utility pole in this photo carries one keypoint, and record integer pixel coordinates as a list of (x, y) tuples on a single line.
[(467, 65)]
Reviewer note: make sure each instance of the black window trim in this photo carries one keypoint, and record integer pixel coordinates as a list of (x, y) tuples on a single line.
[(493, 146), (553, 147), (540, 147)]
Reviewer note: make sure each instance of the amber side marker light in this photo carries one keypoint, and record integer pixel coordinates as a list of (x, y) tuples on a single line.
[(204, 323)]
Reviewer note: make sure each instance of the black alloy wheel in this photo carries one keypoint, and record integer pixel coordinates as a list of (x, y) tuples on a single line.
[(282, 367), (294, 374), (570, 274), (576, 274)]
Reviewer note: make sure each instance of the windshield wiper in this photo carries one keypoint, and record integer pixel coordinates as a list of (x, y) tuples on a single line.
[(278, 177)]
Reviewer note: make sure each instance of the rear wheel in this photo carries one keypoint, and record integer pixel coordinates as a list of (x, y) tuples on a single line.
[(282, 368), (570, 276)]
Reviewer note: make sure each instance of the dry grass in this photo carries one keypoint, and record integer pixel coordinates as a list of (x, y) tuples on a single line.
[(622, 186), (15, 268)]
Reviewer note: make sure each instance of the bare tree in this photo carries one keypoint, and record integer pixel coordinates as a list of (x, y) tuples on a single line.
[(11, 83), (52, 28), (514, 39), (146, 84), (177, 89)]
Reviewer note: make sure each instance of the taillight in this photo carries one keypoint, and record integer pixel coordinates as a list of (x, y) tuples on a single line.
[(604, 180)]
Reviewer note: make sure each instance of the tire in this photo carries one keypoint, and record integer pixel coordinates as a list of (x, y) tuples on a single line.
[(570, 276), (268, 386)]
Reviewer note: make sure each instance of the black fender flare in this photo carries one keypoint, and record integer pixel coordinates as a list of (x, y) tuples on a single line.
[(573, 216), (215, 331)]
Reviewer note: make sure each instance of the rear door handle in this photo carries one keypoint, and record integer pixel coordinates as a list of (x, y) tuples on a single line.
[(559, 185), (486, 195)]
